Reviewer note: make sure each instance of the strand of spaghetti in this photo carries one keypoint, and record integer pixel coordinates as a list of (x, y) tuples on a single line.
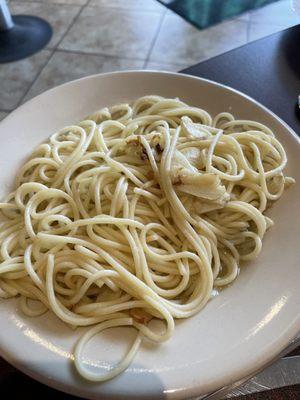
[(123, 364)]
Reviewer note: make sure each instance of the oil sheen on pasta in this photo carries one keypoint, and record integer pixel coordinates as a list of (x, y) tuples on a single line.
[(140, 211)]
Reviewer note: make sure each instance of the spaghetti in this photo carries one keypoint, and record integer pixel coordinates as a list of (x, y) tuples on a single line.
[(140, 211)]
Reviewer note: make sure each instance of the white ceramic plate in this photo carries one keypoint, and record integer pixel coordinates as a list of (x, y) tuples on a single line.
[(236, 334)]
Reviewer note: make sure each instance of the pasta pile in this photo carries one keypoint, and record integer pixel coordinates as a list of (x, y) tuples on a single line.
[(140, 211)]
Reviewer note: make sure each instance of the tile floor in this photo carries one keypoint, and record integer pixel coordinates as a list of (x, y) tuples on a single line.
[(87, 40)]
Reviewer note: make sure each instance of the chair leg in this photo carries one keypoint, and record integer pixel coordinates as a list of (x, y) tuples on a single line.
[(6, 21), (21, 35)]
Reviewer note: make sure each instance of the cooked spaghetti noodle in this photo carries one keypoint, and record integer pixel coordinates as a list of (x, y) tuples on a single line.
[(140, 211)]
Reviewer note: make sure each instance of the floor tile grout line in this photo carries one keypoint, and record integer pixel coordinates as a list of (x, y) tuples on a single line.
[(56, 4), (51, 55), (78, 52), (70, 26), (154, 40), (129, 10), (137, 10), (84, 53), (126, 8), (144, 59), (36, 77)]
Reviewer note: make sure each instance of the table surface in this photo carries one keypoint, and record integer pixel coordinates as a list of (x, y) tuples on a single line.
[(267, 70)]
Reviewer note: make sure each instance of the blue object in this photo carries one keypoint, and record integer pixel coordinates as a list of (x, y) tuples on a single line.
[(203, 13)]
